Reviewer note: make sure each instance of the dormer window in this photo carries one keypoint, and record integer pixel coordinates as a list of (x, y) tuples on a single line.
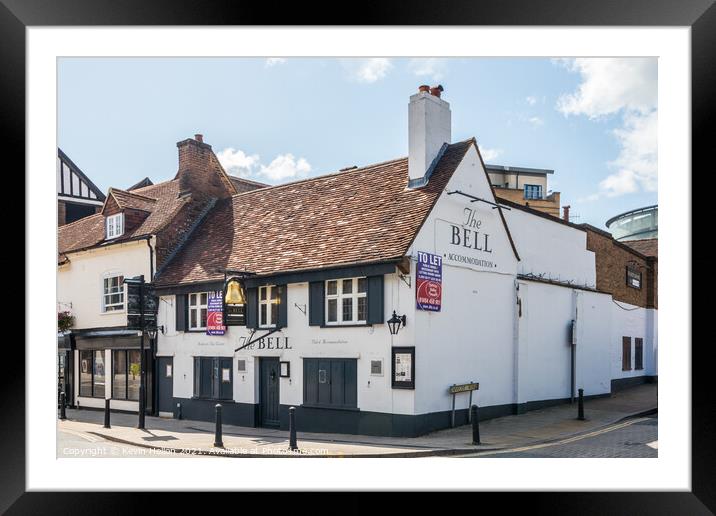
[(114, 225)]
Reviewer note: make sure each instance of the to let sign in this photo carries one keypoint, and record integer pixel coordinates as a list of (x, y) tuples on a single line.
[(429, 282), (215, 314)]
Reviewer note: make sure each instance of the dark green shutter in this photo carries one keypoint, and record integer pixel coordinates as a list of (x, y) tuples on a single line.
[(316, 303), (282, 306), (375, 300), (182, 313), (252, 308)]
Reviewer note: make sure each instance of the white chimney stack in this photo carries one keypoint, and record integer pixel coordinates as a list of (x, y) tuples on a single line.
[(428, 129)]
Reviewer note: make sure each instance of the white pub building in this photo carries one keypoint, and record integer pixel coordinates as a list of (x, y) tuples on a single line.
[(364, 295)]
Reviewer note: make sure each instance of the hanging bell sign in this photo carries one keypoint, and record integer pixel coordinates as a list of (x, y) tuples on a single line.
[(234, 303)]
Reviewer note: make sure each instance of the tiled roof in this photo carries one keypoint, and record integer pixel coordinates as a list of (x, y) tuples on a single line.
[(645, 246), (163, 202), (245, 185), (361, 215), (132, 200)]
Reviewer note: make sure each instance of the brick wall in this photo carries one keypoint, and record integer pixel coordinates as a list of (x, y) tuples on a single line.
[(200, 172), (61, 213), (169, 236), (133, 219), (612, 259), (549, 205)]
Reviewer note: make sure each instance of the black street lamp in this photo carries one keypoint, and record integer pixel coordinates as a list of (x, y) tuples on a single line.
[(395, 323)]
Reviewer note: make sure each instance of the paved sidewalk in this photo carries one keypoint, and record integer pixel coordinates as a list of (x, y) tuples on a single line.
[(167, 436)]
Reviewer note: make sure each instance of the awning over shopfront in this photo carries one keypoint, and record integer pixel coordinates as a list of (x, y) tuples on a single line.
[(108, 339)]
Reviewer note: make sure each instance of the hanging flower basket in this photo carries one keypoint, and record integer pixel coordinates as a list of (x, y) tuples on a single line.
[(65, 321)]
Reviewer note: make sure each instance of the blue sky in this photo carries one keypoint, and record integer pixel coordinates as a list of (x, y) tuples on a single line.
[(593, 121)]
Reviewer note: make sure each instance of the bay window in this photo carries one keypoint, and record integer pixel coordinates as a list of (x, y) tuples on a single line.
[(346, 301)]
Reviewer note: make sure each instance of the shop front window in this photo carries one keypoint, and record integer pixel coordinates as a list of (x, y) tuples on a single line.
[(125, 381), (92, 373)]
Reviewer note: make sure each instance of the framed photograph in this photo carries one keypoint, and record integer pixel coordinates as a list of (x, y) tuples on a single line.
[(488, 143), (403, 367)]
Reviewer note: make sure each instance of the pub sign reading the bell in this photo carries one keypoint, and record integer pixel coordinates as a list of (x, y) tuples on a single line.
[(234, 303)]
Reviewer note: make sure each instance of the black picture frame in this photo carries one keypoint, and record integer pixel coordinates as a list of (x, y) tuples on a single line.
[(282, 373), (699, 15), (395, 381)]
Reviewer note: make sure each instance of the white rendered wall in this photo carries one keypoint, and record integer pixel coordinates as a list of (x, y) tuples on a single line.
[(362, 343), (80, 282), (555, 250), (632, 321)]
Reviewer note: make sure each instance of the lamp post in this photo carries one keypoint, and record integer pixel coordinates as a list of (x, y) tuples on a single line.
[(395, 323), (139, 281)]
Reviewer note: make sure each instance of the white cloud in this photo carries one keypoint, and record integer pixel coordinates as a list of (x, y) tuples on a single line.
[(236, 162), (432, 67), (285, 166), (628, 87), (368, 70), (536, 121), (490, 154), (273, 61), (531, 100)]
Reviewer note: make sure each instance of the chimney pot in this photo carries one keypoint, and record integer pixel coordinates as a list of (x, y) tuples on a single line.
[(424, 87), (199, 138), (436, 90)]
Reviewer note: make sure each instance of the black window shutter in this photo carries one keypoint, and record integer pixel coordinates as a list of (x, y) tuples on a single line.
[(181, 312), (375, 300), (282, 306), (316, 303), (252, 307)]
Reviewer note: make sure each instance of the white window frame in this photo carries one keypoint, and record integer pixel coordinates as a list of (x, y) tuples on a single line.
[(122, 307), (116, 223), (270, 304), (197, 308), (339, 296)]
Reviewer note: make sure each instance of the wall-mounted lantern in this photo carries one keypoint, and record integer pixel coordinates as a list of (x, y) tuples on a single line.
[(395, 323)]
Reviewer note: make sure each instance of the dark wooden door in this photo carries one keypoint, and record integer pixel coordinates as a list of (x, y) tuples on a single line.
[(165, 384), (269, 392)]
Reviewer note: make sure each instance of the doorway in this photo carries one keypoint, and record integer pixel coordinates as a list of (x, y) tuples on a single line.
[(269, 392)]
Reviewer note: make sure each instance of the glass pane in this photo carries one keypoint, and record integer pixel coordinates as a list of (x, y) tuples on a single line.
[(332, 288), (274, 293), (119, 380), (133, 376), (192, 318), (348, 309), (274, 315), (332, 310), (362, 308), (263, 316), (192, 299), (85, 373), (347, 286), (98, 374), (262, 293), (361, 284), (203, 317), (203, 299)]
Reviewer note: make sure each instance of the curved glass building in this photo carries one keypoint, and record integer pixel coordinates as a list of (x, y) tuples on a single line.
[(635, 224)]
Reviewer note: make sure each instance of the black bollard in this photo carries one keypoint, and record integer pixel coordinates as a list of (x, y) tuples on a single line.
[(63, 402), (218, 443), (178, 410), (475, 425), (106, 414), (580, 406), (292, 429)]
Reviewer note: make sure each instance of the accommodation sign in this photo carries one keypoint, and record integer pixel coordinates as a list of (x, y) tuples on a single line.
[(467, 243), (215, 314), (429, 282)]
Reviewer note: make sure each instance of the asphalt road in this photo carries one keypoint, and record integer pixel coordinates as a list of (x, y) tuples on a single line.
[(632, 438)]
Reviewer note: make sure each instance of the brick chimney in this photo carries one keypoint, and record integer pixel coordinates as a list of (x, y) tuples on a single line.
[(565, 213), (429, 122), (199, 171)]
